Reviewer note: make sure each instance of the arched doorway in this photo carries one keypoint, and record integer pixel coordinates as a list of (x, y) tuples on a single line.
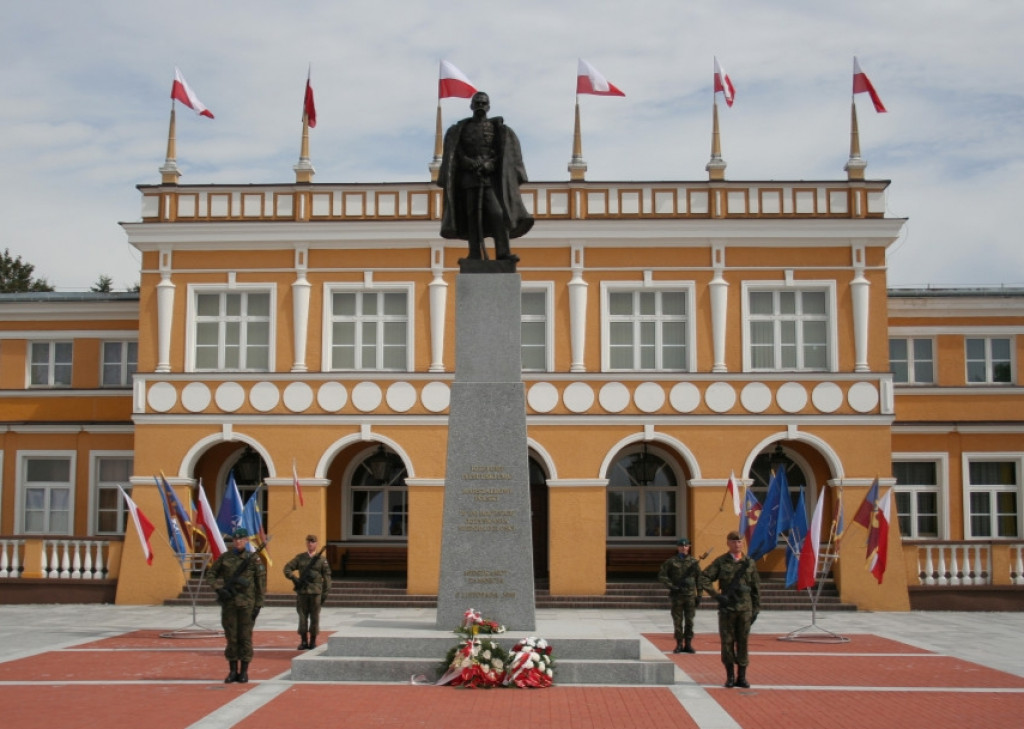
[(539, 517), (645, 502), (376, 500)]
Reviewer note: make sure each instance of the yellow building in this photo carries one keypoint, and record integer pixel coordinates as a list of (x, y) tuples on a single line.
[(673, 333)]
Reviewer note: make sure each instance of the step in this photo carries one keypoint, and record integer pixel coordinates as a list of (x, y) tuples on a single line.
[(577, 660)]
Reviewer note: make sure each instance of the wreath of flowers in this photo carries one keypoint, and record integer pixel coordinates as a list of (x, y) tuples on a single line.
[(530, 664), (483, 663)]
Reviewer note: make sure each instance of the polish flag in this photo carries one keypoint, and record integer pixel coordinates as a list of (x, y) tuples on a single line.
[(181, 91), (733, 488), (308, 105), (453, 83), (590, 81), (724, 84), (808, 565), (298, 487), (862, 84), (143, 526), (878, 560), (208, 522)]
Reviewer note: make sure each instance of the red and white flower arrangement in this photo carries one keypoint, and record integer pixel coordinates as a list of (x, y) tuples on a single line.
[(530, 664), (476, 663), (474, 623)]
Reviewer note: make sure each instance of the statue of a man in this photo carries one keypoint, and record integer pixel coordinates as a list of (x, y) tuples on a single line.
[(481, 171)]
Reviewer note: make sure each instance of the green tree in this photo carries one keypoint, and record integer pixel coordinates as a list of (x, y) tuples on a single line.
[(103, 285), (16, 275)]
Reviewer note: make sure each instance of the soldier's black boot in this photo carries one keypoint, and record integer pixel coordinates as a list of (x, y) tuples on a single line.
[(730, 677), (243, 675), (304, 644), (232, 672), (679, 647), (688, 648), (741, 678), (312, 641)]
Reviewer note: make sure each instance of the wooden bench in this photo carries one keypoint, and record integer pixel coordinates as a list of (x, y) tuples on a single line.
[(361, 559), (636, 560)]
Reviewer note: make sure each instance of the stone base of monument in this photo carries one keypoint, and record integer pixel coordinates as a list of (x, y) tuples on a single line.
[(578, 661)]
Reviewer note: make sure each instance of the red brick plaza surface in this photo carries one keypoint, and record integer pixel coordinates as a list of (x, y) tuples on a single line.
[(140, 679)]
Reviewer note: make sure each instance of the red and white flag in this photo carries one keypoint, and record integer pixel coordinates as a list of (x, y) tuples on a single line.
[(298, 487), (208, 522), (143, 526), (181, 91), (807, 567), (879, 537), (733, 488), (724, 84), (591, 81), (453, 82), (308, 105), (862, 84)]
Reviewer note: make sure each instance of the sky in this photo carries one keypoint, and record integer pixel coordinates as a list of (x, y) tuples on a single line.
[(85, 101)]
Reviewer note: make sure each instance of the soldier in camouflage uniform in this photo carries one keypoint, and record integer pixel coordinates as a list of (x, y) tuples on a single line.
[(311, 575), (739, 601), (681, 575), (241, 599)]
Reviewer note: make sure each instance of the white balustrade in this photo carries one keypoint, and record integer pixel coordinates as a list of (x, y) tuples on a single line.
[(952, 564), (75, 559), (1017, 565), (11, 557)]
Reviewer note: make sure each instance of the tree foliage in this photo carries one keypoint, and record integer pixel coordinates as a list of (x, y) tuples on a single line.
[(104, 285), (16, 275)]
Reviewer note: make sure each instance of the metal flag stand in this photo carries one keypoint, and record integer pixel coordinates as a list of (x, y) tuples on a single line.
[(191, 563), (819, 634)]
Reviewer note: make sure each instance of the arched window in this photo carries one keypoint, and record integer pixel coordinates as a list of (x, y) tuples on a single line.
[(642, 496), (771, 460), (379, 505)]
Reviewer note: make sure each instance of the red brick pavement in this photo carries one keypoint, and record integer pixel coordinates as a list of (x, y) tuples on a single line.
[(141, 679)]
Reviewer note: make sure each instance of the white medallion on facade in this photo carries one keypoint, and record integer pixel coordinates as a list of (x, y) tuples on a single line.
[(401, 396), (366, 396), (264, 396), (578, 397), (332, 396), (614, 397), (542, 397), (230, 396), (162, 396), (720, 397), (196, 397), (862, 396), (827, 397), (684, 397), (298, 396), (649, 397), (791, 397), (755, 397), (436, 396)]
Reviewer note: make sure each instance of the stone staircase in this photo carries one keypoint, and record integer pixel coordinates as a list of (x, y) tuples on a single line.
[(615, 661), (637, 594)]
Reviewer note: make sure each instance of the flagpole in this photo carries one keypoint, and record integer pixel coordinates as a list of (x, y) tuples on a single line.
[(304, 170), (577, 166), (435, 164), (854, 167), (169, 172), (716, 165)]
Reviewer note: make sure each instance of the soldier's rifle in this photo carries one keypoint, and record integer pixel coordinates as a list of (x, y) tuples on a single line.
[(307, 574), (231, 586)]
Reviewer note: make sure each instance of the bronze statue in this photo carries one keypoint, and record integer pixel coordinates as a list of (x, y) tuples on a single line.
[(481, 171)]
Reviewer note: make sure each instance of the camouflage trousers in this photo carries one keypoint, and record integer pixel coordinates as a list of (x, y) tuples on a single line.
[(734, 629), (684, 607), (238, 624), (308, 607)]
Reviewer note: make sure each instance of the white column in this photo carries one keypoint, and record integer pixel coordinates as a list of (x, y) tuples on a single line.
[(438, 289), (577, 311), (300, 309), (719, 307), (164, 321), (859, 290)]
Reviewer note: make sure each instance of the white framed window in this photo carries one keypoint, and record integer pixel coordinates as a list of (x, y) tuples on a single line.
[(109, 470), (920, 492), (119, 363), (992, 493), (989, 360), (643, 496), (647, 327), (50, 364), (369, 328), (378, 499), (789, 327), (537, 339), (912, 360), (231, 328), (46, 491)]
